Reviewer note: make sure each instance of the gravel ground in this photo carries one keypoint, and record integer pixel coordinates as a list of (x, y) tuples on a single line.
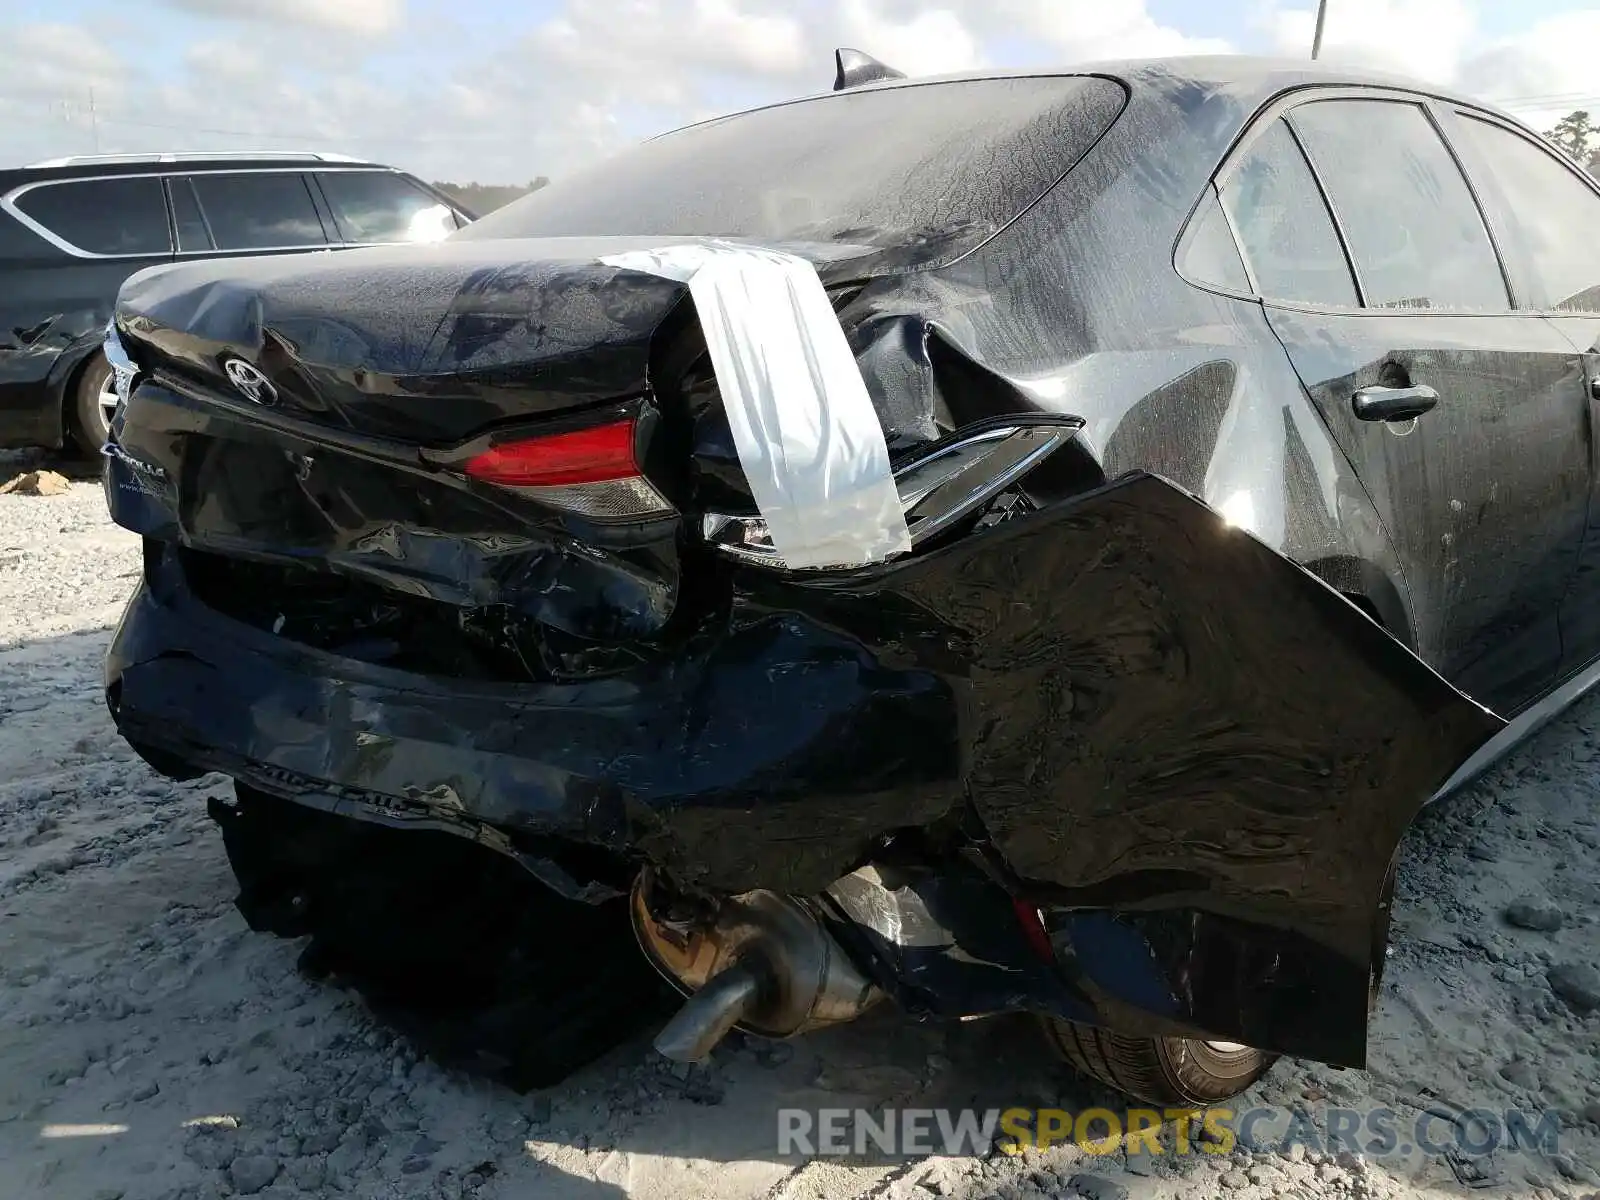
[(154, 1047)]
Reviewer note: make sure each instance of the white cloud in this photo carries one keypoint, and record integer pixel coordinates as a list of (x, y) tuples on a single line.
[(1421, 38), (55, 61), (582, 80), (662, 44), (1096, 29), (1537, 72), (351, 16), (921, 42)]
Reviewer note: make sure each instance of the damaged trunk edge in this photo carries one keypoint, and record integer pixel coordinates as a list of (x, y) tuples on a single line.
[(277, 486), (1114, 721)]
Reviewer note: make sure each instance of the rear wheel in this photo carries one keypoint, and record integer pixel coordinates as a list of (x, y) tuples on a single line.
[(1168, 1071), (94, 401), (1186, 1071)]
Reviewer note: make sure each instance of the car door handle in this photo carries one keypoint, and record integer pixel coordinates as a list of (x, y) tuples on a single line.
[(1394, 403)]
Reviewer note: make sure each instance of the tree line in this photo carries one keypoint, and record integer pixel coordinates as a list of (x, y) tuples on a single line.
[(481, 198), (1576, 134)]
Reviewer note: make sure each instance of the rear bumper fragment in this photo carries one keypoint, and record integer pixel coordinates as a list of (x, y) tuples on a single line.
[(714, 768)]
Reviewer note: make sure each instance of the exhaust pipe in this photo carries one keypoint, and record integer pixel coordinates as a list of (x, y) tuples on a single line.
[(763, 963), (710, 1014)]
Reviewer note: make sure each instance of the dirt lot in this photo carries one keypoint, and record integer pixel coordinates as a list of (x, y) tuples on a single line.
[(151, 1046)]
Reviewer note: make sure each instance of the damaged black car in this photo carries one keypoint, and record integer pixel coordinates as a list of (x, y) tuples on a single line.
[(1018, 543)]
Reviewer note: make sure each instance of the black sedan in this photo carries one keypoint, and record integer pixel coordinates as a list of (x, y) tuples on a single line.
[(1008, 542)]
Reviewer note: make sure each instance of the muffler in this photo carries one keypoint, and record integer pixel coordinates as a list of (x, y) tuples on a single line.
[(763, 963)]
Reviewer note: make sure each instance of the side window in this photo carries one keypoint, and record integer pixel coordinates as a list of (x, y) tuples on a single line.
[(1283, 226), (186, 216), (263, 210), (103, 216), (1207, 253), (1414, 231), (1543, 209), (379, 206)]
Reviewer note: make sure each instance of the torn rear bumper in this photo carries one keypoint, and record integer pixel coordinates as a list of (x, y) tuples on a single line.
[(703, 766), (1194, 759)]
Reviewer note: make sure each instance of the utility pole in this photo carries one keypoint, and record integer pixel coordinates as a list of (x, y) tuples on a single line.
[(94, 120), (1316, 39)]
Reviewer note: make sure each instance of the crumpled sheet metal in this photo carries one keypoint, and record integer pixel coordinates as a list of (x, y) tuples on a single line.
[(807, 434)]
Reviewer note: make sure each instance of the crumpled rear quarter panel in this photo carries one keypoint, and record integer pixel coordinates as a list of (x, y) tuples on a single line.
[(1198, 758)]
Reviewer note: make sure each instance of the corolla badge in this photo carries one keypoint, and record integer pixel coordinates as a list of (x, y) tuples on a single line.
[(142, 478), (252, 384)]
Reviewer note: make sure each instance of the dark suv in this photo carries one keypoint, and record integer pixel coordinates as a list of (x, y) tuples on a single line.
[(72, 229)]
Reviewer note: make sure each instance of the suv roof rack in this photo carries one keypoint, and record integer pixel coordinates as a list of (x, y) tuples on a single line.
[(77, 160)]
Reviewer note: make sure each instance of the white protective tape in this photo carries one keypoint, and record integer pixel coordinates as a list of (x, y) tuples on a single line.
[(805, 429)]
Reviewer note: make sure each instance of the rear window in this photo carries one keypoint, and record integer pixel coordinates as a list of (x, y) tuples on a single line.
[(936, 168), (102, 216)]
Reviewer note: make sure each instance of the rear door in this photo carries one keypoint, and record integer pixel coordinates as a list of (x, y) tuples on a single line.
[(221, 213), (1465, 419), (1545, 213)]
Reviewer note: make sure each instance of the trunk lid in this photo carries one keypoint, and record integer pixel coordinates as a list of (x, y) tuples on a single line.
[(427, 345), (306, 428)]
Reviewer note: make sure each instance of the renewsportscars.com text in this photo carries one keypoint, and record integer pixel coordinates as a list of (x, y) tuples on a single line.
[(1373, 1132)]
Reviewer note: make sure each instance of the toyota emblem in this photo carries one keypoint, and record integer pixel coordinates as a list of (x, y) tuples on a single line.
[(252, 384)]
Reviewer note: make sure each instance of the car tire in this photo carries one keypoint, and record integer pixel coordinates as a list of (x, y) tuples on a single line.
[(1170, 1072), (94, 399)]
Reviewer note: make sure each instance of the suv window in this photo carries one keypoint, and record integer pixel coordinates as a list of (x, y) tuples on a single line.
[(1408, 216), (103, 216), (379, 206), (264, 210), (1284, 229), (1550, 214)]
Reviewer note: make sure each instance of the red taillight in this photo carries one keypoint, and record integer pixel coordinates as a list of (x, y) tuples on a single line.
[(597, 455), (591, 472)]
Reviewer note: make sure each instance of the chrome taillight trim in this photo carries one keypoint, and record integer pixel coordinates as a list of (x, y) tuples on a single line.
[(949, 483), (612, 501)]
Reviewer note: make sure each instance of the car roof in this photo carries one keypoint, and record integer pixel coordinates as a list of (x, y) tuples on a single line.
[(1252, 78), (1240, 71)]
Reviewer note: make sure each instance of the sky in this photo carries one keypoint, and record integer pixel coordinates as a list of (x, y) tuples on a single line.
[(501, 91)]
